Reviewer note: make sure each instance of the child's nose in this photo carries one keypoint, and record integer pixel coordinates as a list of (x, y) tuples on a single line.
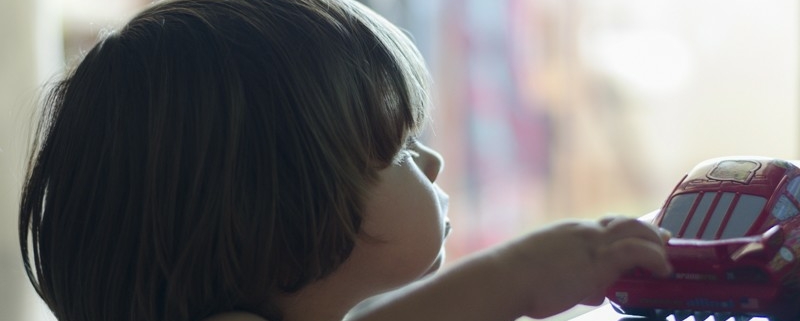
[(429, 161)]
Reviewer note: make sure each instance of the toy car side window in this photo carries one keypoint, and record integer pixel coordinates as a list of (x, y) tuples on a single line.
[(747, 210), (784, 209), (794, 187)]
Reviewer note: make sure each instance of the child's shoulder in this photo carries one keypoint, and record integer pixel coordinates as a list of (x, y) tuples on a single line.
[(235, 316)]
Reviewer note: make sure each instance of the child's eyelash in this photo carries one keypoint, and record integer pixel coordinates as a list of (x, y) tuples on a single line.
[(407, 150), (411, 145)]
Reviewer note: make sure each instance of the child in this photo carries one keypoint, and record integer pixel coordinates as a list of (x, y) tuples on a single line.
[(256, 160)]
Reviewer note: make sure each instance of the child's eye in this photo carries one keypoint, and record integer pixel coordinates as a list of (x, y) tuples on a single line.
[(411, 146), (408, 150)]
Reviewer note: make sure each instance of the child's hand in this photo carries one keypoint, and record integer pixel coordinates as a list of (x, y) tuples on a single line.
[(573, 263)]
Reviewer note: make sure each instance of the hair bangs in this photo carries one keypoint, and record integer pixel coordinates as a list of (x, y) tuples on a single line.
[(402, 83)]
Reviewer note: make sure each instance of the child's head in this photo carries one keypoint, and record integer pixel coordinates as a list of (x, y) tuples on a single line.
[(212, 154)]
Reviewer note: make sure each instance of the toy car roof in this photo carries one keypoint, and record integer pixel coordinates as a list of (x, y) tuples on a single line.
[(713, 173), (724, 197)]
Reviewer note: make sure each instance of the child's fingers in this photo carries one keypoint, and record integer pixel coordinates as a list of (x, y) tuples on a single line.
[(665, 235), (607, 220), (595, 300), (634, 252), (621, 228)]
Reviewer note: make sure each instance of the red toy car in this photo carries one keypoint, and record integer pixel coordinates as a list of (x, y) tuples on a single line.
[(735, 245)]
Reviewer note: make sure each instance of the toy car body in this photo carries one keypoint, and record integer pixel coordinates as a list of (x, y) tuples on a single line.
[(735, 245)]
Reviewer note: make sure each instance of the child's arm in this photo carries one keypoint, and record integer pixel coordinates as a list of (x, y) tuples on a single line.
[(537, 275)]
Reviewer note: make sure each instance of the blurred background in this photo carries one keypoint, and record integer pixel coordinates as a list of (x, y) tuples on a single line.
[(545, 109)]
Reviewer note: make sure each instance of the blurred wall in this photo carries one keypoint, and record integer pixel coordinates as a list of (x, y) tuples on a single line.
[(549, 109), (30, 51)]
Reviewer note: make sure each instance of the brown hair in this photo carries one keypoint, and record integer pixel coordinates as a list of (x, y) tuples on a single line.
[(212, 154)]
